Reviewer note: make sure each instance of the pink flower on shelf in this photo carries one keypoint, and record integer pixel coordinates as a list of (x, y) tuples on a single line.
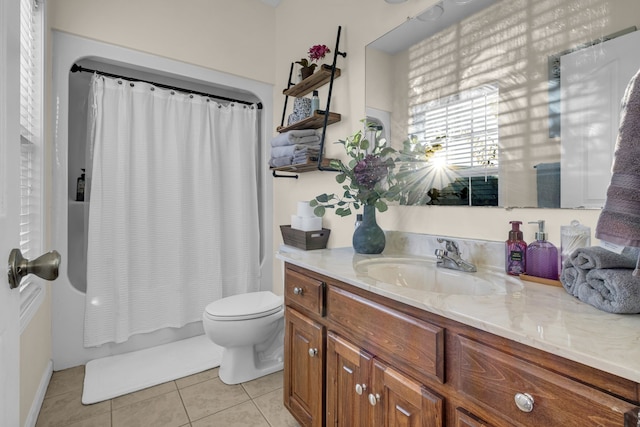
[(318, 52)]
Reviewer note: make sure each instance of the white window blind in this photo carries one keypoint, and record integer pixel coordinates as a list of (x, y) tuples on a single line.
[(466, 125), (31, 42)]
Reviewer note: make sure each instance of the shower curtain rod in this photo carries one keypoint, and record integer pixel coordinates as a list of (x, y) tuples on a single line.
[(77, 68)]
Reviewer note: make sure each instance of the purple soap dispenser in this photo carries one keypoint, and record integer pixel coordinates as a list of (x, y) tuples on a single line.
[(516, 250), (542, 256)]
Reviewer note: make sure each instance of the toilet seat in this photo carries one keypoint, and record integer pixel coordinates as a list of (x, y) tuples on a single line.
[(251, 305)]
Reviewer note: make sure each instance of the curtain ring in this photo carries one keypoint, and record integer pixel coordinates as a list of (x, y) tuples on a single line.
[(173, 93), (152, 88), (191, 96), (119, 82)]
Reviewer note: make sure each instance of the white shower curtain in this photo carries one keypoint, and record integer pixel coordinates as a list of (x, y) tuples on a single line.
[(173, 220)]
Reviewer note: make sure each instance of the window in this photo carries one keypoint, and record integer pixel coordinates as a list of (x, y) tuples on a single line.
[(466, 126), (31, 26)]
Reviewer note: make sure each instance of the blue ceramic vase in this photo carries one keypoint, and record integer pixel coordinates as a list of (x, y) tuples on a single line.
[(368, 238)]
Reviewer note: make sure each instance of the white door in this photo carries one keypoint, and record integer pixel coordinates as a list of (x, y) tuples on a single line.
[(593, 81), (9, 209)]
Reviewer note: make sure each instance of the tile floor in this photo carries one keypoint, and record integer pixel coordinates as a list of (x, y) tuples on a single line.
[(199, 400)]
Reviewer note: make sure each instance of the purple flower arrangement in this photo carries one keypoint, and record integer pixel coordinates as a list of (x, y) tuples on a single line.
[(367, 179), (316, 53)]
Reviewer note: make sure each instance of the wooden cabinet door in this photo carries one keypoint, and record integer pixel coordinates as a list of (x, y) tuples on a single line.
[(348, 372), (303, 368), (399, 401)]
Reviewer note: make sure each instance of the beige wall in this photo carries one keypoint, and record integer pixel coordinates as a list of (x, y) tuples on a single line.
[(235, 37)]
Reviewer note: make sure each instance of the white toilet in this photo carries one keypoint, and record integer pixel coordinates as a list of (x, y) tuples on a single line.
[(250, 329)]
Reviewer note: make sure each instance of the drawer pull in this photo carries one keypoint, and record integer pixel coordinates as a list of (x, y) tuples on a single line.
[(524, 402), (313, 352), (374, 398), (360, 388), (297, 291)]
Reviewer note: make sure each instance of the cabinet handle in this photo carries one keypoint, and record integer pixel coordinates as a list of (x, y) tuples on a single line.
[(297, 291), (360, 388), (313, 352), (374, 398), (524, 402)]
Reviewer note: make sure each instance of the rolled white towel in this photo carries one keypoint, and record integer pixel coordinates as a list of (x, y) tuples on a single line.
[(276, 162), (291, 150), (299, 136)]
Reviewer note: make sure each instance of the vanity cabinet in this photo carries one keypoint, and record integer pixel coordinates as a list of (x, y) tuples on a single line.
[(304, 349), (383, 363), (365, 391), (304, 353)]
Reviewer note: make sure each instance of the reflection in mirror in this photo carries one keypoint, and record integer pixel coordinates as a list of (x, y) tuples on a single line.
[(511, 103)]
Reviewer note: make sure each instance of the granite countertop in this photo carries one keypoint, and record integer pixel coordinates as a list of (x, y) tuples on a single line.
[(541, 316)]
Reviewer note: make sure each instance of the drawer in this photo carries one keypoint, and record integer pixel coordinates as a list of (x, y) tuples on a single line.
[(413, 345), (304, 291), (497, 380)]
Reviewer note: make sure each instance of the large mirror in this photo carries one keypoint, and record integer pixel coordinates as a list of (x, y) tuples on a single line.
[(511, 103)]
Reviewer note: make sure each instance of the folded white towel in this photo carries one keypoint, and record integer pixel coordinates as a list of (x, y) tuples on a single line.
[(292, 137), (275, 162), (290, 150)]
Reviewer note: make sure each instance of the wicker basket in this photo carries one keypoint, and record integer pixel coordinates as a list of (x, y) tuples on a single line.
[(306, 240)]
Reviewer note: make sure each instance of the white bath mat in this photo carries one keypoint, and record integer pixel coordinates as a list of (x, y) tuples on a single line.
[(115, 376)]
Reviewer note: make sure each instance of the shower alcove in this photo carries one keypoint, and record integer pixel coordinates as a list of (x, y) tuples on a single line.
[(68, 215)]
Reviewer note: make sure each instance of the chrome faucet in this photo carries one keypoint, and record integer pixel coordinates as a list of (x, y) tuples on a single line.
[(450, 257)]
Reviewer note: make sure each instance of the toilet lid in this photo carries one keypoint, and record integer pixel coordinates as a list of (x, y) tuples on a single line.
[(245, 306)]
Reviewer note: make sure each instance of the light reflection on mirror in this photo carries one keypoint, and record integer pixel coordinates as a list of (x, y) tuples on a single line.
[(547, 140)]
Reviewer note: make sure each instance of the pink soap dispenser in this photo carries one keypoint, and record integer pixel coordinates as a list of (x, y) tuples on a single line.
[(542, 256), (515, 251)]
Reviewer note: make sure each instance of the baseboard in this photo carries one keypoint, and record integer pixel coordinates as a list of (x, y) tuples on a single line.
[(32, 418)]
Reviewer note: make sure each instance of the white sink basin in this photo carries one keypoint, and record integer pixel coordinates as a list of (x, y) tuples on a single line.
[(426, 276)]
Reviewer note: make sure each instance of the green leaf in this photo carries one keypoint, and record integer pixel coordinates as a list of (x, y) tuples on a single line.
[(343, 212), (313, 202), (335, 164), (319, 211), (381, 206), (323, 198), (387, 151), (340, 178)]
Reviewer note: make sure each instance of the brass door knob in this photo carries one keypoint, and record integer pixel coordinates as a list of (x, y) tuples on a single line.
[(45, 266)]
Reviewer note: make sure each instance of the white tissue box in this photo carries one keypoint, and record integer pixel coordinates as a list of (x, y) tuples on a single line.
[(296, 222), (306, 223), (311, 223), (304, 210)]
